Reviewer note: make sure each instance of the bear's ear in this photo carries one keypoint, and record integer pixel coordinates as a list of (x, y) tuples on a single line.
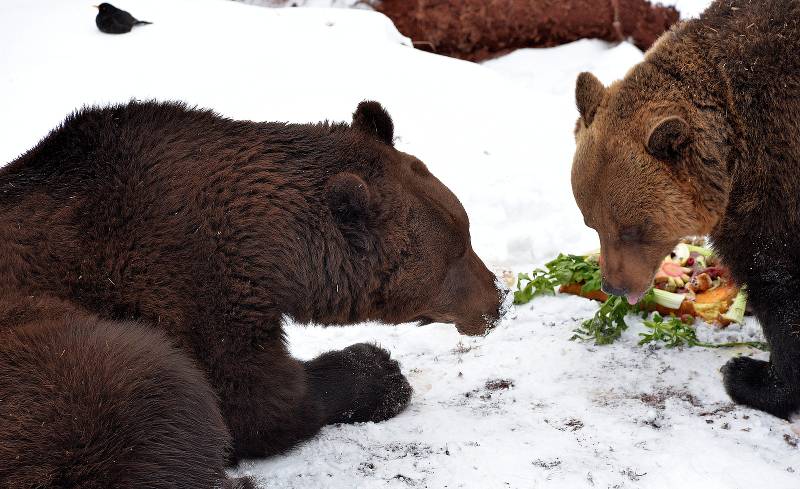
[(348, 197), (668, 138), (370, 117), (589, 93)]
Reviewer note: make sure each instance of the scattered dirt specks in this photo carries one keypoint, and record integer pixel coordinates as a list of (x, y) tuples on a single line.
[(499, 384), (547, 464), (659, 398)]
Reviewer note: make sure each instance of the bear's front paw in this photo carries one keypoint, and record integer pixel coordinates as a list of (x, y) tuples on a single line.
[(753, 383), (359, 383)]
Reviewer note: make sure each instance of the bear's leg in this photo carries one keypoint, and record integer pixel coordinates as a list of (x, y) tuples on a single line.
[(94, 404), (772, 386), (272, 401)]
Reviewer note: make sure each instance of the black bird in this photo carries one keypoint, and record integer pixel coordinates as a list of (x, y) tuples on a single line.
[(112, 20)]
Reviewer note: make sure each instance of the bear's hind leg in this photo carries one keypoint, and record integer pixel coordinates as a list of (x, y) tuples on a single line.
[(94, 404)]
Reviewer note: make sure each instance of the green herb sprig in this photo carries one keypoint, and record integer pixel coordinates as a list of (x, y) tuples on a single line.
[(608, 323), (565, 269), (673, 332)]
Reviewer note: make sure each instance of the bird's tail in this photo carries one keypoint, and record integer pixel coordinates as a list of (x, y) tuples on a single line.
[(141, 22)]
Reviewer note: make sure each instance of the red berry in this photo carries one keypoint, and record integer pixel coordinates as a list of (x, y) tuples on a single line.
[(689, 261)]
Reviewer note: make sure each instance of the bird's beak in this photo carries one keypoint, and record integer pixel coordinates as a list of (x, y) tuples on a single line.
[(96, 6)]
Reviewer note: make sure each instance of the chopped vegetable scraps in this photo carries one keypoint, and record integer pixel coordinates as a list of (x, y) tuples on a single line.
[(691, 282)]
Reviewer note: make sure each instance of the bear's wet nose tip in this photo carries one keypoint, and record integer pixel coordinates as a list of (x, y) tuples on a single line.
[(610, 289)]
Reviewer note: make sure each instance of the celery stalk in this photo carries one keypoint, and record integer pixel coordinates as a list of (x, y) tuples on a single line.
[(735, 313), (667, 299), (699, 249)]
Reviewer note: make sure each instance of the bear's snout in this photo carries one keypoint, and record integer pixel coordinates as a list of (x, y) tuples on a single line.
[(613, 289), (481, 308)]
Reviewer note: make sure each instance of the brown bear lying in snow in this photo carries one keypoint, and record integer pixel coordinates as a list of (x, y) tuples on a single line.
[(149, 252), (703, 137)]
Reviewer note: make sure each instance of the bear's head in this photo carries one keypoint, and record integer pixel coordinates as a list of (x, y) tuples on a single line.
[(412, 230), (649, 169)]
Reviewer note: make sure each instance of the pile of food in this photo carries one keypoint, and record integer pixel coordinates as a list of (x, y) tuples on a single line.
[(690, 283)]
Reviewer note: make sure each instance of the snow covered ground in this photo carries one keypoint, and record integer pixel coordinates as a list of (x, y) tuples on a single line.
[(521, 408)]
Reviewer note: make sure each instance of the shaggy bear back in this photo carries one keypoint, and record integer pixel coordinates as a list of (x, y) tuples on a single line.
[(114, 206), (740, 59), (755, 48)]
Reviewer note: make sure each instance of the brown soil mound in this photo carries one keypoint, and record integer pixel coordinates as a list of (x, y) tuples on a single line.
[(479, 29)]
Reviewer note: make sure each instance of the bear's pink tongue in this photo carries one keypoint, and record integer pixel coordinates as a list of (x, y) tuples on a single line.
[(634, 298)]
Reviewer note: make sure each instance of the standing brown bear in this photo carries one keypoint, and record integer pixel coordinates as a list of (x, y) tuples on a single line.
[(148, 253), (703, 137)]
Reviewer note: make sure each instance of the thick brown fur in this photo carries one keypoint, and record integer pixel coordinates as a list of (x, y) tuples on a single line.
[(96, 404), (211, 230), (703, 137)]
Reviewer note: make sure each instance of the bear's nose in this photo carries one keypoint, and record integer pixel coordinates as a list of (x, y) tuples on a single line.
[(611, 290)]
